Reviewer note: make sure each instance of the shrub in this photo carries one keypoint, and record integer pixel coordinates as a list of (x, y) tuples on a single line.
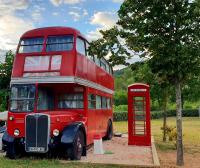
[(171, 133), (123, 115), (121, 108), (3, 99), (120, 116)]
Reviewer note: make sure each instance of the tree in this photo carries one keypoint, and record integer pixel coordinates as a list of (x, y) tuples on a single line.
[(5, 75), (6, 70), (166, 33), (159, 88)]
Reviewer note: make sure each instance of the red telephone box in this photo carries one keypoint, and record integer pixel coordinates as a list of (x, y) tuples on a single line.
[(139, 132)]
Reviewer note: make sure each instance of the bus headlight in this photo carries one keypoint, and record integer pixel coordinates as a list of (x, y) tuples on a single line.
[(56, 132), (11, 118), (16, 132)]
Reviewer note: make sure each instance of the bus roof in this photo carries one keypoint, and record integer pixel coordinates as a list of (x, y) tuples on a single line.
[(46, 31)]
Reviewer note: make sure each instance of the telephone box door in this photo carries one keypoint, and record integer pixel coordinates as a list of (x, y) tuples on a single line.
[(139, 115)]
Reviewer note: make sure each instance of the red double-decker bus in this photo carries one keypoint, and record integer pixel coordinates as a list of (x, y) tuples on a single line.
[(61, 96)]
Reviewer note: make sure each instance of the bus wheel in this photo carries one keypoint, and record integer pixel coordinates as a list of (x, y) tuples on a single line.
[(13, 151), (109, 132), (75, 152)]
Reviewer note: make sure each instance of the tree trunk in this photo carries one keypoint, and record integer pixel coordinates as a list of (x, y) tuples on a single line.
[(165, 114), (179, 160)]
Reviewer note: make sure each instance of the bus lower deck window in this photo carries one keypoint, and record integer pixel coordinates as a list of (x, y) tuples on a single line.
[(68, 101)]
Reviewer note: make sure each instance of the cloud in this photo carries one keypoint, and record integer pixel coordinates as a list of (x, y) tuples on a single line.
[(118, 1), (93, 35), (36, 16), (55, 13), (104, 20), (37, 13), (10, 6), (56, 2), (2, 55), (12, 27), (77, 13), (70, 2), (85, 12), (76, 16)]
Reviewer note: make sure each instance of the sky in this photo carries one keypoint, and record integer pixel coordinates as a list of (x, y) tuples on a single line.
[(88, 16)]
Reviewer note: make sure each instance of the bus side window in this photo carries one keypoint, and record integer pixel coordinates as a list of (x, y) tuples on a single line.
[(98, 102), (104, 103), (108, 103), (91, 101), (111, 71), (91, 57), (80, 46), (97, 61)]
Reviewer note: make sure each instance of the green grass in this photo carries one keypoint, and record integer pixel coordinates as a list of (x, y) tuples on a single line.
[(191, 133), (44, 163)]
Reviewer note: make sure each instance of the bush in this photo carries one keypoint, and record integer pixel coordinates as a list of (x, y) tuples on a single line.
[(123, 115), (121, 108), (120, 116), (3, 99)]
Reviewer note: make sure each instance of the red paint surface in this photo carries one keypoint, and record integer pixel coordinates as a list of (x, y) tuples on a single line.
[(133, 139)]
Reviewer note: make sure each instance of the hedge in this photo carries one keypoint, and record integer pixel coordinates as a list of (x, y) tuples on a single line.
[(123, 116)]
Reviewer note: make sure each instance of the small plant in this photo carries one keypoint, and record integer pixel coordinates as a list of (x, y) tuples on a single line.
[(171, 133), (108, 152)]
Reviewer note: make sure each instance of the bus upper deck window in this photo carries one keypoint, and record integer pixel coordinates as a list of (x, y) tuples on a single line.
[(29, 45), (60, 43)]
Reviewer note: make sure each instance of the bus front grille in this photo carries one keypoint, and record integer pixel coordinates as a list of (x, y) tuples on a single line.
[(37, 133)]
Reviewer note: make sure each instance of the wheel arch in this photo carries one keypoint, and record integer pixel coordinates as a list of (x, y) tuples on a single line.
[(69, 133)]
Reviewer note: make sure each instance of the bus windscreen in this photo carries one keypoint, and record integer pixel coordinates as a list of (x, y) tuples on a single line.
[(59, 43), (30, 45)]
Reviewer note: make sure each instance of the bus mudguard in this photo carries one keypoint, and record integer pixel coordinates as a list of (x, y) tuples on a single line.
[(7, 139), (70, 131)]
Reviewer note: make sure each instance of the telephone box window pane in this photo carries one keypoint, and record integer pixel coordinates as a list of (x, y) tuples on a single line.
[(36, 63), (140, 127), (139, 117), (56, 62)]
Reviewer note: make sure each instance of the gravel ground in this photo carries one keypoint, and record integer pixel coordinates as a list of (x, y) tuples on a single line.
[(117, 151)]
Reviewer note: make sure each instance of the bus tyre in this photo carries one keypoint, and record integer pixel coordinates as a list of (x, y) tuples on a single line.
[(75, 152), (13, 152), (109, 132)]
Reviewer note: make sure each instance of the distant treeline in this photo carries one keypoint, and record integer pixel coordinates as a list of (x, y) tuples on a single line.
[(127, 76)]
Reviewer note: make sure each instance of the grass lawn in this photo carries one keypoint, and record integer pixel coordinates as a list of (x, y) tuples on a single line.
[(44, 163), (191, 131)]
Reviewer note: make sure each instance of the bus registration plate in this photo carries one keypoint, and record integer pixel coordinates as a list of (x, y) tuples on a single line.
[(36, 149)]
